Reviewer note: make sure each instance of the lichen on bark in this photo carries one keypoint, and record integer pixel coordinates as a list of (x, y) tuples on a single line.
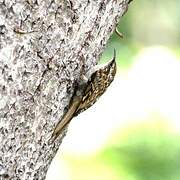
[(45, 45)]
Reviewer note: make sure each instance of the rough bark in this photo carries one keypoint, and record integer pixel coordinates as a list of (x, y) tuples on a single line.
[(44, 47)]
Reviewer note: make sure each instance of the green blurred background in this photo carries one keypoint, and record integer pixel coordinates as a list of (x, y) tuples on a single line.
[(134, 134)]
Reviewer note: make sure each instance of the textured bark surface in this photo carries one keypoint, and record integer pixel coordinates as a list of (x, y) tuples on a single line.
[(44, 47)]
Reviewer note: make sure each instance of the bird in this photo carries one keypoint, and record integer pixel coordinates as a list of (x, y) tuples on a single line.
[(87, 92)]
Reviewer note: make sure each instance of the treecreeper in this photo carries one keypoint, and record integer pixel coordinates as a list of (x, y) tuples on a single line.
[(87, 92)]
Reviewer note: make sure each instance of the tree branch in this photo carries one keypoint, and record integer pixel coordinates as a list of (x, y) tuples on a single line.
[(45, 46)]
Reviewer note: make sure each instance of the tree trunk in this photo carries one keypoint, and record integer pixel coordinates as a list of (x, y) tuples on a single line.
[(44, 46)]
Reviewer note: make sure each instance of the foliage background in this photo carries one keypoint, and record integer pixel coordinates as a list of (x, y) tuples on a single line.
[(132, 133)]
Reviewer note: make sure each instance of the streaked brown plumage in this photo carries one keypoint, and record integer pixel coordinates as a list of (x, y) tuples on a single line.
[(87, 93)]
